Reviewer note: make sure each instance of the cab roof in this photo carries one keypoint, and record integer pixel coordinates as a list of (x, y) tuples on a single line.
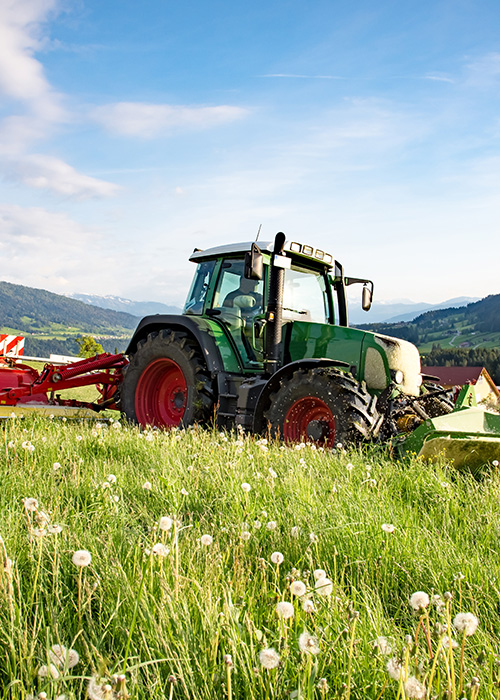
[(293, 249)]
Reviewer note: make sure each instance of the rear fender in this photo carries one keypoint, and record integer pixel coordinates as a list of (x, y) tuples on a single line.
[(198, 328), (273, 384)]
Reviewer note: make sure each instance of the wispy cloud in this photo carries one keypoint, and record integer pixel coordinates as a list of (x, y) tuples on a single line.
[(22, 76), (46, 172), (484, 70), (438, 78), (299, 75), (151, 120)]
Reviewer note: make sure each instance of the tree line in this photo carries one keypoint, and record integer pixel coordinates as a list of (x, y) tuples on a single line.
[(465, 357)]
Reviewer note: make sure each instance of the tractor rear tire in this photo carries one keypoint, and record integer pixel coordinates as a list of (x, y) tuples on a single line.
[(322, 406), (167, 383)]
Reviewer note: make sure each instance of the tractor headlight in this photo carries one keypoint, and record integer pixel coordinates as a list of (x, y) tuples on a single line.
[(398, 376)]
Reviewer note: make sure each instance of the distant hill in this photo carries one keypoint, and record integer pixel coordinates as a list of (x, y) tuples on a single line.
[(136, 308), (31, 310), (401, 310)]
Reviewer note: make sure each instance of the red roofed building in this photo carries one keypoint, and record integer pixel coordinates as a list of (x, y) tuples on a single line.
[(452, 377)]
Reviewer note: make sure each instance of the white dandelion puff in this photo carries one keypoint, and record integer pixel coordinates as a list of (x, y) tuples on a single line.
[(147, 486), (298, 588), (269, 658), (257, 524), (112, 479), (48, 671), (184, 492), (277, 558), (285, 609), (448, 642), (414, 689), (394, 669), (387, 527), (271, 525), (30, 504), (165, 523), (383, 645), (294, 532), (466, 623), (245, 535), (61, 656), (308, 606), (246, 487), (312, 537), (319, 573), (56, 466), (81, 558), (308, 643), (324, 586), (206, 540), (272, 473), (419, 600), (159, 549)]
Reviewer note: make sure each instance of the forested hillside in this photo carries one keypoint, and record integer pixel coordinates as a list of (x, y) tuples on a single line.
[(33, 310), (465, 336)]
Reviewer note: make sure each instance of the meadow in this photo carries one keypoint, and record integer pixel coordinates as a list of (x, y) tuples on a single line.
[(198, 564)]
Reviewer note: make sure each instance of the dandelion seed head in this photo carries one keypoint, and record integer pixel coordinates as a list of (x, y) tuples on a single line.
[(112, 479), (245, 535), (419, 600), (48, 671), (277, 558), (269, 658), (257, 524), (56, 466), (312, 537), (184, 492), (349, 466), (30, 504), (147, 486), (324, 586), (495, 463), (319, 573), (383, 645), (81, 558), (387, 527), (271, 525), (165, 523), (308, 643), (285, 609), (448, 642), (466, 623), (159, 549), (206, 540), (308, 606), (61, 656), (394, 669), (294, 532), (246, 487), (414, 689), (298, 588), (272, 473)]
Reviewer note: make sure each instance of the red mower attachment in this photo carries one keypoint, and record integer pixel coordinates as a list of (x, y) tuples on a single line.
[(22, 386)]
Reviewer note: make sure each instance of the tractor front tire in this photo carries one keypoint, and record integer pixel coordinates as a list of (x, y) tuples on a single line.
[(166, 383), (322, 406)]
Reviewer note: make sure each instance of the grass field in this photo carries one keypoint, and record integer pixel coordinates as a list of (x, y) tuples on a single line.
[(204, 565)]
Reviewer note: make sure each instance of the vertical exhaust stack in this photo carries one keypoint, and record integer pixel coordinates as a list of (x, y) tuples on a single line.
[(274, 309)]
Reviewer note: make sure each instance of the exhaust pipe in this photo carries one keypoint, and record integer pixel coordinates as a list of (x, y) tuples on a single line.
[(274, 309)]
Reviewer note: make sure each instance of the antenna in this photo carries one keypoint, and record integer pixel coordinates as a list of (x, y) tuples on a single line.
[(258, 233)]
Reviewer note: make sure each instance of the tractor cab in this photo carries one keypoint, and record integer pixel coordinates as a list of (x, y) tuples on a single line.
[(233, 285)]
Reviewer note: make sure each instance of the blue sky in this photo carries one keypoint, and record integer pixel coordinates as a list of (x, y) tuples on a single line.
[(132, 132)]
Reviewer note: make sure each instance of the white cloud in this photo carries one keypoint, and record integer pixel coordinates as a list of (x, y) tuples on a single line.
[(21, 75), (299, 75), (49, 173), (150, 120), (484, 71)]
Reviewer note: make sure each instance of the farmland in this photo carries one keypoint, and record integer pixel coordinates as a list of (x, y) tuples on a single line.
[(199, 564)]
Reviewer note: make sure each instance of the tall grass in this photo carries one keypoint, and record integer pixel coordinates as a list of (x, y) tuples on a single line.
[(180, 598)]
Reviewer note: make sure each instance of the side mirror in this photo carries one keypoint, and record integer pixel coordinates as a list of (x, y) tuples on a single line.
[(366, 297), (254, 264)]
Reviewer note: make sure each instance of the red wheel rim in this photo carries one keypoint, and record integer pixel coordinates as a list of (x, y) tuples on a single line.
[(309, 420), (160, 397)]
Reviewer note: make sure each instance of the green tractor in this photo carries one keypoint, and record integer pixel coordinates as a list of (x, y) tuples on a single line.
[(264, 344)]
